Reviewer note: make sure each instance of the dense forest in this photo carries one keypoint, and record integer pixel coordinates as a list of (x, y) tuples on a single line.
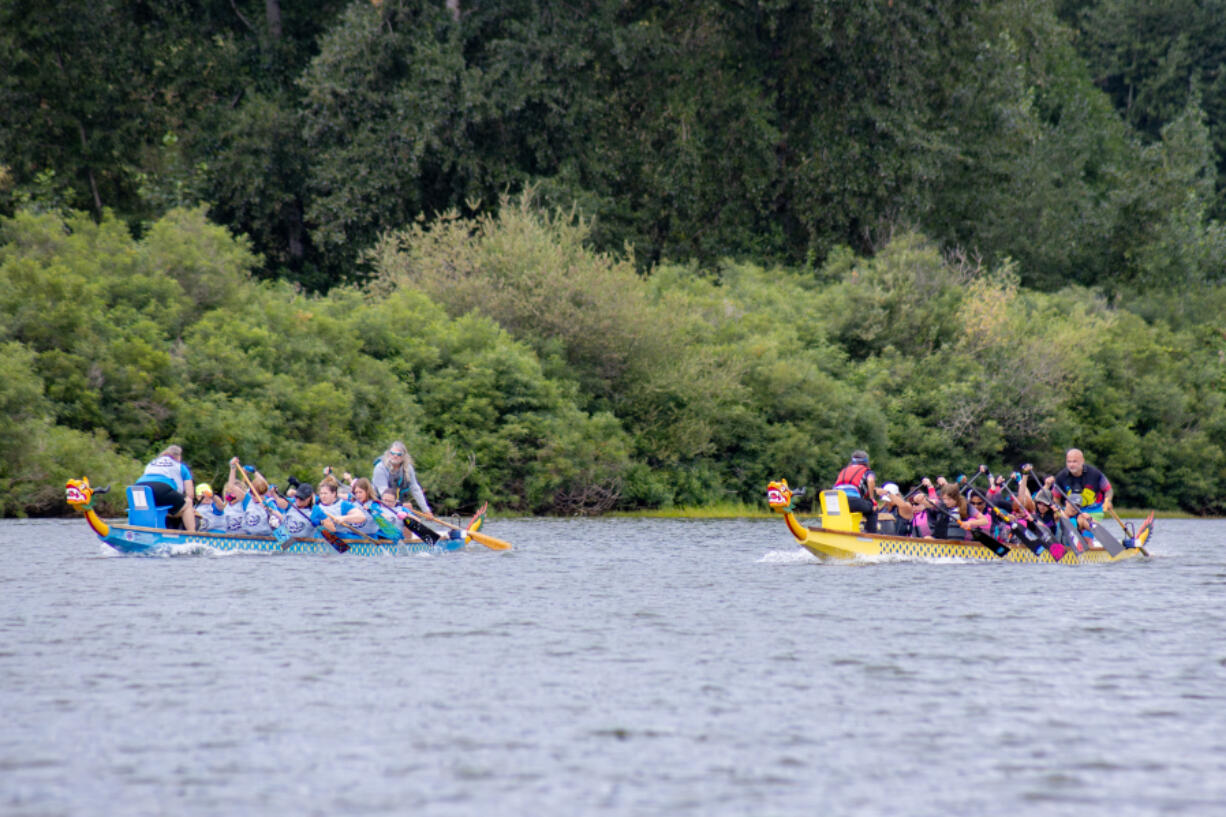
[(612, 254)]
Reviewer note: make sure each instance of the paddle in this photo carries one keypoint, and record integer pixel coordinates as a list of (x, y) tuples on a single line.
[(489, 541), (990, 509), (280, 532), (361, 535), (335, 541), (1036, 538), (416, 527), (1127, 535), (258, 498), (981, 536)]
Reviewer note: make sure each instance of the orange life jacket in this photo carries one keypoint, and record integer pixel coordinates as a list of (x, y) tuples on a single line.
[(854, 476)]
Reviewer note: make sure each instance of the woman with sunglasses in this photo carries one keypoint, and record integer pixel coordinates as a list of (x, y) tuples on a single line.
[(394, 471)]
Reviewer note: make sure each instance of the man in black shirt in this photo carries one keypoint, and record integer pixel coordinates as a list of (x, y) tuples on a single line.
[(1084, 487)]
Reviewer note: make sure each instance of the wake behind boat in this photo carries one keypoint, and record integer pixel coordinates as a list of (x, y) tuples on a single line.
[(838, 537), (144, 539)]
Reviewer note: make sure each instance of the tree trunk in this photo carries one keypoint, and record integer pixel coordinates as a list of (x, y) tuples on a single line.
[(272, 13), (89, 171)]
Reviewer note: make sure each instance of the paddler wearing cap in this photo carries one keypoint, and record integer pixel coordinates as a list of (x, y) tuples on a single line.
[(209, 514), (859, 482), (895, 514), (297, 511)]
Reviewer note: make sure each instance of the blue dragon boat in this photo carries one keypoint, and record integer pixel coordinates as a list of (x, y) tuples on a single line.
[(134, 538)]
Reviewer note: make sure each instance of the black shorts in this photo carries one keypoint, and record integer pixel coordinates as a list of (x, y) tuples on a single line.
[(164, 494)]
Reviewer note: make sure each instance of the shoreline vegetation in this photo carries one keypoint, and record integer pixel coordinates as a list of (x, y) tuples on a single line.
[(525, 369), (644, 257)]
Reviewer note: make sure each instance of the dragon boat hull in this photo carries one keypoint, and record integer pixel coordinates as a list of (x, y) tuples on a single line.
[(838, 538), (843, 545), (136, 539), (131, 539)]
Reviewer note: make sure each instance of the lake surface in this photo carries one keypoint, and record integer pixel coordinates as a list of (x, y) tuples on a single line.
[(612, 666)]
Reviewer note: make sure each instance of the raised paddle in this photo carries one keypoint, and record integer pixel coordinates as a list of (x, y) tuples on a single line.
[(280, 532), (989, 508), (1036, 538), (242, 470), (490, 542)]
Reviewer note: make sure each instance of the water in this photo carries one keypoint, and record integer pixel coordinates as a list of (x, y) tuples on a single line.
[(621, 667)]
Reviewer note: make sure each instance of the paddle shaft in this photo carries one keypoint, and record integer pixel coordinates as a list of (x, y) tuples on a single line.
[(364, 537), (1124, 528), (984, 538), (415, 526), (1022, 521), (250, 487), (491, 542)]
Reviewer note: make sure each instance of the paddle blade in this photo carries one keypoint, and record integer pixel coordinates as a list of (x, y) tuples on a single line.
[(489, 541), (425, 534), (387, 526), (994, 545), (335, 541), (1108, 540)]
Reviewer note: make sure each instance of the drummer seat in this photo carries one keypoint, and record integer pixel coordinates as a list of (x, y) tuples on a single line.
[(836, 515), (141, 510)]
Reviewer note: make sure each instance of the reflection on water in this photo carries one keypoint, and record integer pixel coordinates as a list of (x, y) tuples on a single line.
[(615, 666)]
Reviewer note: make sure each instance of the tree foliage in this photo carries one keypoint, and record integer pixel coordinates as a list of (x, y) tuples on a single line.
[(615, 254)]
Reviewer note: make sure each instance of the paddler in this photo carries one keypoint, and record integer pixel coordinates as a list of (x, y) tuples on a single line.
[(1086, 489)]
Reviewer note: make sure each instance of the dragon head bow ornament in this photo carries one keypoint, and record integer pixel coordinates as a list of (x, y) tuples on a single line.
[(779, 497), (79, 495)]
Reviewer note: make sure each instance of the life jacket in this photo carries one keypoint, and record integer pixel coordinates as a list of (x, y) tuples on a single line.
[(852, 479), (398, 483)]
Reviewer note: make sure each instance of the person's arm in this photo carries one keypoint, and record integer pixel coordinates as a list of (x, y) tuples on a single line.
[(1108, 492), (1023, 494), (899, 506), (354, 514), (380, 478), (419, 496), (978, 520), (189, 491)]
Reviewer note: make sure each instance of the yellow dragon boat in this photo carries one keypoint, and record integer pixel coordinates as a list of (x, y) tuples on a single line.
[(838, 537)]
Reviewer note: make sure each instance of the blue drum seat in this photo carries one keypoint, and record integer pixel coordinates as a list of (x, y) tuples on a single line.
[(142, 511)]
